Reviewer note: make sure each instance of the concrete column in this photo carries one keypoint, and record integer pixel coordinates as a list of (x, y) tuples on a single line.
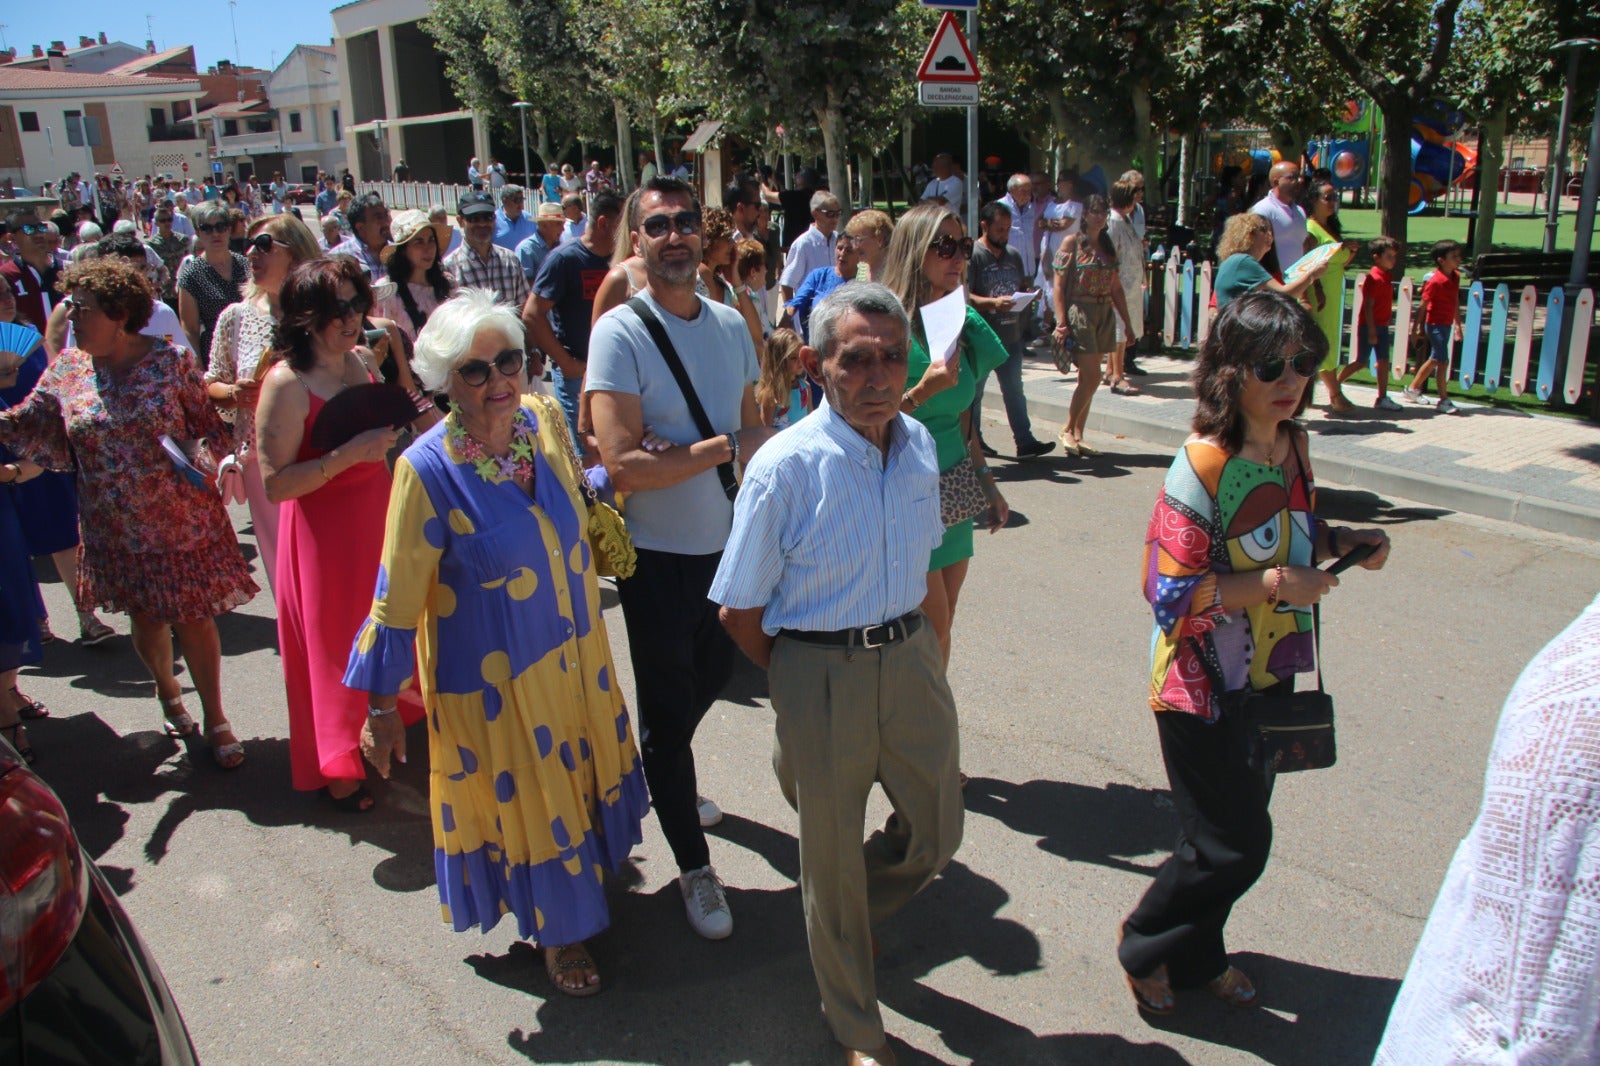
[(347, 101), (391, 100)]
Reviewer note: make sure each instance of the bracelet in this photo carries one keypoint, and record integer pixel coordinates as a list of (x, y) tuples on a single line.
[(907, 398), (381, 712), (322, 468), (733, 447), (1277, 583)]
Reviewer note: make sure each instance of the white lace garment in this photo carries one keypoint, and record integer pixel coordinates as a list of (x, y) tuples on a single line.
[(1508, 969)]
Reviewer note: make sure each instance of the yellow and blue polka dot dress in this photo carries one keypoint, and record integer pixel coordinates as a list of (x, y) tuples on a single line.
[(536, 785)]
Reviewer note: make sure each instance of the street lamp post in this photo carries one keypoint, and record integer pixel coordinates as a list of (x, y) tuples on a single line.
[(377, 138), (522, 112), (1574, 49)]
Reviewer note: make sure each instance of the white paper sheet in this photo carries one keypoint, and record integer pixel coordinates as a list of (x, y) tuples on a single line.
[(941, 324), (1019, 300)]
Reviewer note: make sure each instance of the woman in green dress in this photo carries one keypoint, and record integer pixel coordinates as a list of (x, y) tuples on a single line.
[(1325, 297), (926, 261)]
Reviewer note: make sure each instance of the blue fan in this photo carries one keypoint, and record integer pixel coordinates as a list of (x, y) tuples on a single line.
[(18, 337)]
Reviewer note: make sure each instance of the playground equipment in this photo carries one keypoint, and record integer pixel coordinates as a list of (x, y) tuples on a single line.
[(1438, 159)]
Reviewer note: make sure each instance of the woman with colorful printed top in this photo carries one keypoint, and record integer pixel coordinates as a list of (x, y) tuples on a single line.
[(488, 593), (1088, 301), (1230, 571), (154, 545)]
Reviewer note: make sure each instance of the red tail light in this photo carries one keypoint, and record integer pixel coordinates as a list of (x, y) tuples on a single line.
[(42, 888)]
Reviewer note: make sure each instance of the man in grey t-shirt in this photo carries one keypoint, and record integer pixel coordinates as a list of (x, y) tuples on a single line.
[(677, 512)]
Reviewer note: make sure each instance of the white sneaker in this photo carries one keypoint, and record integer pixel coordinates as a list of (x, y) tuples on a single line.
[(1413, 395), (1386, 403), (706, 903), (1447, 408), (710, 813)]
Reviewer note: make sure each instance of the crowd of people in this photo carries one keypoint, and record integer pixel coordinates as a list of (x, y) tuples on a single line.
[(804, 490)]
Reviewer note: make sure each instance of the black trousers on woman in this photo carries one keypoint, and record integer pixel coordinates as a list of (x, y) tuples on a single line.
[(1222, 848)]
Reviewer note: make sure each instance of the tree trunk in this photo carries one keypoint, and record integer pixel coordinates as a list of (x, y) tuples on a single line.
[(1491, 154), (864, 174), (625, 178), (1148, 146), (831, 121), (1395, 206), (655, 140), (541, 132), (1058, 126)]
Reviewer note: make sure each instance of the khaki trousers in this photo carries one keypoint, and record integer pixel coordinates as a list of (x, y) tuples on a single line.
[(847, 718)]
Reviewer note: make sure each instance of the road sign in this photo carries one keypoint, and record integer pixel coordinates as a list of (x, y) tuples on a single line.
[(116, 170), (947, 94), (948, 58), (952, 5), (186, 166), (216, 168)]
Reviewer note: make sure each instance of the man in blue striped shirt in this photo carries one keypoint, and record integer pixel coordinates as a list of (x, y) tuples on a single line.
[(820, 585)]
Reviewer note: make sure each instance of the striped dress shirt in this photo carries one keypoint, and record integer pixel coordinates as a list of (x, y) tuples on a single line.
[(827, 533)]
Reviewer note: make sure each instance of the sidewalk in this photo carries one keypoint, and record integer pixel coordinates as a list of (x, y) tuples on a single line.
[(1533, 470)]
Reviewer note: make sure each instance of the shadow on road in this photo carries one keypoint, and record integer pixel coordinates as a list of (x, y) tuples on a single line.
[(1359, 505), (1309, 1015), (1107, 826)]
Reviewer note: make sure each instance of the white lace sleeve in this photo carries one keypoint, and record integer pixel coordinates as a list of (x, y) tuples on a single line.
[(1508, 969)]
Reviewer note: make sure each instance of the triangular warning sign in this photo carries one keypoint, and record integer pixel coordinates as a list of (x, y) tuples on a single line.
[(948, 58)]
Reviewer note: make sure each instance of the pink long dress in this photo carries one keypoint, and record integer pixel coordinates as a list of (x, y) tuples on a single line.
[(329, 545)]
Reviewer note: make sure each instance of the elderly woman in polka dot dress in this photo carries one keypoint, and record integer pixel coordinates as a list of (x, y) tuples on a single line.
[(487, 579)]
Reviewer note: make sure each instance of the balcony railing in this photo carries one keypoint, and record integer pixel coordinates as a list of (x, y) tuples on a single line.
[(250, 143), (174, 131)]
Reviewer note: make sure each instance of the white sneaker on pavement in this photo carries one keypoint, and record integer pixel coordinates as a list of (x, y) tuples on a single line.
[(1447, 408), (1413, 396), (1386, 403), (706, 903), (710, 813)]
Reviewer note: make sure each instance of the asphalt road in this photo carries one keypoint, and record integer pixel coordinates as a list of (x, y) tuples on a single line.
[(292, 933)]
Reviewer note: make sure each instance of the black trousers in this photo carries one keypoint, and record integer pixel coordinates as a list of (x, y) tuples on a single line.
[(1222, 848), (682, 658)]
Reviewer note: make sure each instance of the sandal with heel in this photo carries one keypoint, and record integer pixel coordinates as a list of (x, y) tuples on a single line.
[(229, 756), (30, 709), (179, 725)]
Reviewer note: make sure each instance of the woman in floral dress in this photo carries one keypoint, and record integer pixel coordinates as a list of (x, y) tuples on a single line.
[(155, 545)]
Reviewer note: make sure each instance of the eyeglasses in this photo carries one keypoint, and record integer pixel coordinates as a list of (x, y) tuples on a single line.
[(358, 304), (214, 227), (687, 223), (261, 242), (948, 247), (1330, 197), (1270, 370), (475, 372), (33, 229), (77, 308), (825, 213)]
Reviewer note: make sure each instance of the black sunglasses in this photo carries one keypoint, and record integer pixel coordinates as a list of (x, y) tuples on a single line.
[(1270, 370), (262, 242), (475, 372), (358, 304), (948, 247), (214, 227), (687, 223)]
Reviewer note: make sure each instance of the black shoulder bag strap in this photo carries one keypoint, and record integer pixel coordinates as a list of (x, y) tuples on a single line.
[(658, 333)]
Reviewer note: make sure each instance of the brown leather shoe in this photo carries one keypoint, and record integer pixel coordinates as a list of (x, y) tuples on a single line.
[(884, 1056)]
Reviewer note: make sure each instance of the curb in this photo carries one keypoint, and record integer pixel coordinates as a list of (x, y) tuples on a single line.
[(1534, 512)]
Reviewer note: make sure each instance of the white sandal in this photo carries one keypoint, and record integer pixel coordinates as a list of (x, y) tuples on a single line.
[(180, 725), (224, 753)]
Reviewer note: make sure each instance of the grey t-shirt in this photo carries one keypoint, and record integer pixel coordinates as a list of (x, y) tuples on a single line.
[(692, 517)]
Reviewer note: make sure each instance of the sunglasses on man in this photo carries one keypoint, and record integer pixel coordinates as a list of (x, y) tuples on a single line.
[(948, 247), (687, 223), (1270, 370), (475, 372), (33, 229)]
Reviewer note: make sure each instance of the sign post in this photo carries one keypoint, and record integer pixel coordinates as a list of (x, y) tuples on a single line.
[(949, 77)]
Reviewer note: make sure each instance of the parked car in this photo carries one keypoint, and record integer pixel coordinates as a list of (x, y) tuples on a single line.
[(77, 985), (303, 194)]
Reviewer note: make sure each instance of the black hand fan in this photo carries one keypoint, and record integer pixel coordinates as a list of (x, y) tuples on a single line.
[(358, 409)]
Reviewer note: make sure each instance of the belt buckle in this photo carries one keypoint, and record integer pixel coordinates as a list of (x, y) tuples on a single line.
[(886, 628)]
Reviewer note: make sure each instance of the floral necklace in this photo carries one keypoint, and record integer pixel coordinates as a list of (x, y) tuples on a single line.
[(518, 463)]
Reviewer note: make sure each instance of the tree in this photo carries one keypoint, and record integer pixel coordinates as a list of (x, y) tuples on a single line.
[(634, 48), (1396, 51)]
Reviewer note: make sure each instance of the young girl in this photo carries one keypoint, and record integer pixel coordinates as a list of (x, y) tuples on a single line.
[(782, 393)]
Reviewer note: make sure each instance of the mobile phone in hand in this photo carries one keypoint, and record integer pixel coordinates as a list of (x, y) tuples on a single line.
[(1351, 558)]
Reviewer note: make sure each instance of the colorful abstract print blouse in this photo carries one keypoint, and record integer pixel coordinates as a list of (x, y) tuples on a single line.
[(1225, 515)]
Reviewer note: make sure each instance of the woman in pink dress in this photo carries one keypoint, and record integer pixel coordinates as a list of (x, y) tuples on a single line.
[(330, 520), (154, 545)]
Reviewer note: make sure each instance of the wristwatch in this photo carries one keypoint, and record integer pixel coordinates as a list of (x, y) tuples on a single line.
[(381, 712)]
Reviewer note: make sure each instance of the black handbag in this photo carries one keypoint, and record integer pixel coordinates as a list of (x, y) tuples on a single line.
[(1290, 731), (658, 333)]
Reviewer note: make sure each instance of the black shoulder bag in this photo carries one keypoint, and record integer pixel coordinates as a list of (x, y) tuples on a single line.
[(658, 333)]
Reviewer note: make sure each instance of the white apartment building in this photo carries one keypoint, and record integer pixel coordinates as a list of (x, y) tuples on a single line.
[(396, 102), (145, 124), (304, 90)]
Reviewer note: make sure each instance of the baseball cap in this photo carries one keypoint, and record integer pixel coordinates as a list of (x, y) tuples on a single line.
[(475, 203)]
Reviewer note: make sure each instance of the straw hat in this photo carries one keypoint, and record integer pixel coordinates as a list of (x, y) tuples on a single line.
[(407, 224)]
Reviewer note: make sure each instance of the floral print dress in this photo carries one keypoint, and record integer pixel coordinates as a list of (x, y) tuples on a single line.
[(153, 544)]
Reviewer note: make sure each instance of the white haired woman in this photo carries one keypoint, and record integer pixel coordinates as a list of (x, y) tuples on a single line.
[(536, 784)]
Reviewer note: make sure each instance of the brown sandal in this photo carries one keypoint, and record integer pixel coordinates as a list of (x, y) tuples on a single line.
[(1153, 994), (571, 958), (1233, 988)]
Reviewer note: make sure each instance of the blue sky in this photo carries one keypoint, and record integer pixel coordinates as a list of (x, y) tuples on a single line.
[(268, 29)]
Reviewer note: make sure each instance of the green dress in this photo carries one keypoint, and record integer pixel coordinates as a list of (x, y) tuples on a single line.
[(1332, 283), (981, 353)]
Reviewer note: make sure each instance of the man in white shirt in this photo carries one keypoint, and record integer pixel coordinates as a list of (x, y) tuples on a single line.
[(1281, 207), (1024, 213), (946, 185), (813, 249)]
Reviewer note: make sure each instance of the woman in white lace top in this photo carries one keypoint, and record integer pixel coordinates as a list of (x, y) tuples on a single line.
[(1508, 970)]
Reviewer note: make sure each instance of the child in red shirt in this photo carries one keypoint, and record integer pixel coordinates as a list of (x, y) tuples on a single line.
[(1377, 312), (1441, 318)]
